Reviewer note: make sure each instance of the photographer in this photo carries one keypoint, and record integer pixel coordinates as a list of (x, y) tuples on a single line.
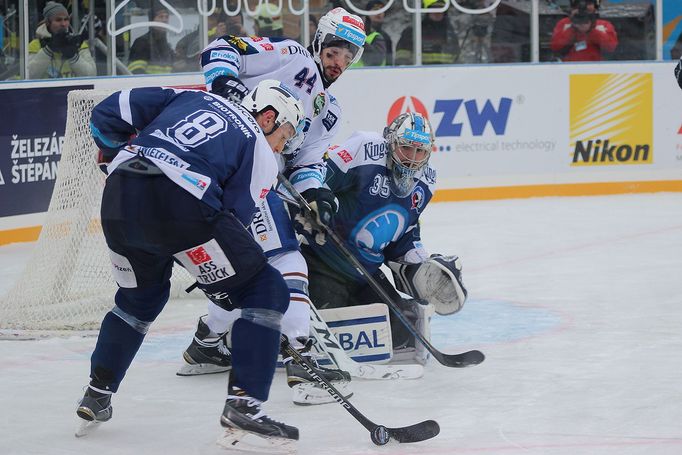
[(583, 36), (57, 52)]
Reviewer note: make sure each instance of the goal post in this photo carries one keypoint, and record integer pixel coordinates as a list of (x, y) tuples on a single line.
[(67, 282)]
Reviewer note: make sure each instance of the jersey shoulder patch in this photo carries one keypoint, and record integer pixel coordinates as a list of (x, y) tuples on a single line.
[(429, 177)]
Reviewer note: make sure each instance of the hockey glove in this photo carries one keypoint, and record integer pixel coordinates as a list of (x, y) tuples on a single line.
[(324, 205), (229, 87), (309, 229), (437, 280)]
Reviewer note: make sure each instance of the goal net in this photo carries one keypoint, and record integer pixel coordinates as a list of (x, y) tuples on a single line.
[(67, 282)]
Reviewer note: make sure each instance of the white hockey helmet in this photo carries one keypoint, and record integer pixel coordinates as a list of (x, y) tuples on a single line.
[(342, 29), (410, 141), (273, 94)]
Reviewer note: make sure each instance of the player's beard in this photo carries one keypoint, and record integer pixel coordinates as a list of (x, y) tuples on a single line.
[(332, 72)]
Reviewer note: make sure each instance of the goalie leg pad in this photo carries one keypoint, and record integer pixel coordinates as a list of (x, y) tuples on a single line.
[(419, 312), (437, 280), (363, 331)]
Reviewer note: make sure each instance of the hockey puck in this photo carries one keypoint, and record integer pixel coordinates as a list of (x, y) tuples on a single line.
[(380, 435)]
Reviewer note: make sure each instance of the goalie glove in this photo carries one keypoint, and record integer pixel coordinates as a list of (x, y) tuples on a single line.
[(437, 280)]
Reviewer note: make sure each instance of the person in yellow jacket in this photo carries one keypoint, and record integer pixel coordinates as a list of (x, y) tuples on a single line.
[(57, 52), (378, 47), (440, 45), (151, 53)]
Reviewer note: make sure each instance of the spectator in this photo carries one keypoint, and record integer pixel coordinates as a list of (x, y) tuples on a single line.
[(235, 26), (188, 49), (373, 25), (269, 21), (583, 36), (151, 53), (57, 52), (439, 39)]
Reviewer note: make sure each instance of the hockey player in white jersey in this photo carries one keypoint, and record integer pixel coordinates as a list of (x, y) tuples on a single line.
[(185, 189), (232, 66), (383, 184)]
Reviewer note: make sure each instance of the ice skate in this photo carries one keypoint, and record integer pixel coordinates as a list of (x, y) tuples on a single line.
[(249, 429), (306, 390), (207, 354), (93, 409)]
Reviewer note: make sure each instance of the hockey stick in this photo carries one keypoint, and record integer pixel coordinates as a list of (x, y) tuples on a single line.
[(380, 434), (463, 359), (330, 345)]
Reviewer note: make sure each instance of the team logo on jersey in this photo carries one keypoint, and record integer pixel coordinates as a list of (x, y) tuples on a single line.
[(329, 121), (240, 43), (318, 104), (255, 39), (418, 198), (345, 156), (375, 231), (264, 192), (267, 46)]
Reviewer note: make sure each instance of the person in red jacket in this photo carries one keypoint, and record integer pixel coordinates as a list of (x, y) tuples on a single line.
[(583, 36)]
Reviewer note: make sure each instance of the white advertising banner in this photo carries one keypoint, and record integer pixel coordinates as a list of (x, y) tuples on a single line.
[(531, 124), (501, 130)]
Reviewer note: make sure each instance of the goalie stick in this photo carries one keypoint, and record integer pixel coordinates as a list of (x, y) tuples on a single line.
[(379, 434), (330, 345), (463, 359)]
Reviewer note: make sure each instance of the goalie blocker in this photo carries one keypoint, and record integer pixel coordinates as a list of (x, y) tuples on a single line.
[(438, 280)]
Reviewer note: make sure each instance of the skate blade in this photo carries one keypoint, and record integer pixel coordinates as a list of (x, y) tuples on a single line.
[(237, 439), (201, 368), (85, 427), (309, 394)]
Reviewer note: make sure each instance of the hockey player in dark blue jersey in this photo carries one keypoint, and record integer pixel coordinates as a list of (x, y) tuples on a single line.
[(231, 66), (383, 184), (185, 189)]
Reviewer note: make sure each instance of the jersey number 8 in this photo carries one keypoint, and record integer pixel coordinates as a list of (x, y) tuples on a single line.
[(198, 128)]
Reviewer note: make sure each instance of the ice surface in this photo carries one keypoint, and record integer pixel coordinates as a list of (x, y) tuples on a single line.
[(577, 303)]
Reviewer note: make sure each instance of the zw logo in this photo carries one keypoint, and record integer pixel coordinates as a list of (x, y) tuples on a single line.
[(457, 113)]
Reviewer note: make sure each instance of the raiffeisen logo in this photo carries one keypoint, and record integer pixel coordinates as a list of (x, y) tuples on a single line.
[(611, 119), (460, 117)]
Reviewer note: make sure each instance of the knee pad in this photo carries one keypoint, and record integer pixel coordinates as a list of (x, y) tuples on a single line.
[(139, 307), (266, 290)]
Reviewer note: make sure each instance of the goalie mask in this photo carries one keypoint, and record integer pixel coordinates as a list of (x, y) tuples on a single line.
[(410, 141), (339, 28)]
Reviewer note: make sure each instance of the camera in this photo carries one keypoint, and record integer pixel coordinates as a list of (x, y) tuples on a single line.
[(63, 39), (583, 14)]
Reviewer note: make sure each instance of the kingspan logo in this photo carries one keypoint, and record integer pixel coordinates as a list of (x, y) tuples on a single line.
[(611, 119)]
